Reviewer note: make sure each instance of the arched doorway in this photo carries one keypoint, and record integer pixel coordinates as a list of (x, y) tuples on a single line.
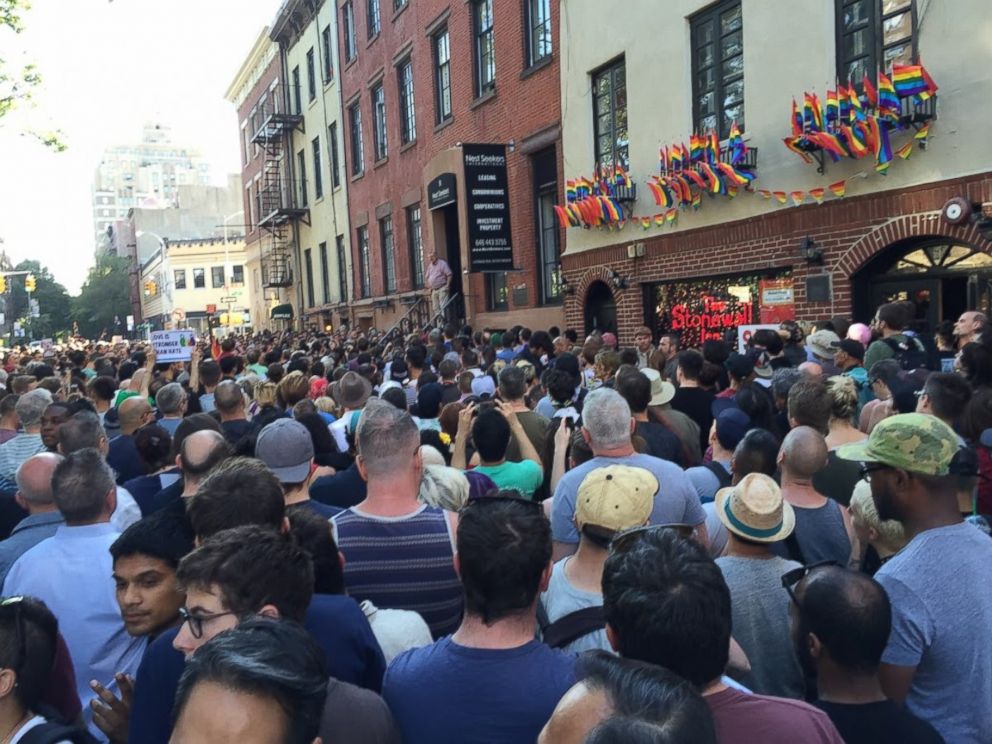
[(942, 278), (601, 309)]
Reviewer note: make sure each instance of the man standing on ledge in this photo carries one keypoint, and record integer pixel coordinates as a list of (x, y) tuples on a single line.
[(438, 278)]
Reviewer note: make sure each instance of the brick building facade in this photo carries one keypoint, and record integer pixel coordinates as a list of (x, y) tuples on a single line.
[(388, 196)]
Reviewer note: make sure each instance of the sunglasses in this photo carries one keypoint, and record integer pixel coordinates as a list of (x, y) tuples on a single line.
[(623, 542), (793, 577)]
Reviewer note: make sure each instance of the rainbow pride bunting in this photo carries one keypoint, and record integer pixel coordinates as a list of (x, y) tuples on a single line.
[(798, 197), (781, 196), (838, 188), (905, 151), (817, 194)]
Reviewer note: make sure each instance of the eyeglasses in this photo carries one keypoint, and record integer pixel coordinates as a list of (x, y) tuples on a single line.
[(793, 577), (196, 622), (19, 633), (628, 538), (867, 469)]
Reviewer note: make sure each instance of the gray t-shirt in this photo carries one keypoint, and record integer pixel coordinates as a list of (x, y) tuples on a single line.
[(562, 597), (675, 502), (760, 608), (705, 481), (942, 624)]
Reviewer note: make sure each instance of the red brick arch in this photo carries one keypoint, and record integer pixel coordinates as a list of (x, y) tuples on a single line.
[(597, 274), (926, 225)]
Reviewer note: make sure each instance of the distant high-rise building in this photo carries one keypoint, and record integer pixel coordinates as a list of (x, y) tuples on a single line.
[(146, 175)]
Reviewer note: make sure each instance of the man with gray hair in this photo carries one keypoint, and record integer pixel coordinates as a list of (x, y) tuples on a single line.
[(70, 572), (607, 426), (13, 453), (170, 400), (398, 552), (34, 495), (230, 403)]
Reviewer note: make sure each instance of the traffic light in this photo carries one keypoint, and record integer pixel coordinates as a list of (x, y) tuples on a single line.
[(29, 283), (3, 283)]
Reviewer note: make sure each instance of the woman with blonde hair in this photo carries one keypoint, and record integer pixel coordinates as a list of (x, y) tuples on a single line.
[(878, 540), (843, 408)]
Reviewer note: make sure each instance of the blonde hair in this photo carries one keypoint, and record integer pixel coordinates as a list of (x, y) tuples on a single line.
[(265, 393), (444, 487), (843, 397), (325, 404), (890, 532)]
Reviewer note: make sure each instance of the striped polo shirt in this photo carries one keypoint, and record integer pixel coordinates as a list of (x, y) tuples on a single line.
[(402, 563)]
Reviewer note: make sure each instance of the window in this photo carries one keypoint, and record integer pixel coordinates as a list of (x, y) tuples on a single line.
[(485, 52), (379, 122), (179, 276), (325, 40), (497, 294), (348, 22), (238, 274), (609, 110), (373, 19), (342, 270), (546, 196), (442, 76), (538, 31), (216, 276), (250, 214), (311, 77), (308, 261), (332, 145), (318, 177), (408, 114), (357, 150), (199, 279), (388, 253), (871, 35), (416, 245), (718, 68), (325, 281), (397, 4), (245, 147), (301, 167), (297, 100), (363, 261)]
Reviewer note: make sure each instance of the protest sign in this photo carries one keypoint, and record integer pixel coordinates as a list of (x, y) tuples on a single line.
[(173, 346)]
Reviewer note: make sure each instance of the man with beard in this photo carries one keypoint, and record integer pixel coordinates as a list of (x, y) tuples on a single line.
[(939, 653), (840, 623)]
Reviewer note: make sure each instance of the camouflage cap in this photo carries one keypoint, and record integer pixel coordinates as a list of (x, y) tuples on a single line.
[(911, 441)]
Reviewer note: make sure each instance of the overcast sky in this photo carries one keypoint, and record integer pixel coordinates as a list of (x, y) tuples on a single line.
[(108, 66)]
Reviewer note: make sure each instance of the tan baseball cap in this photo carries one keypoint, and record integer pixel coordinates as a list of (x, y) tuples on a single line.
[(615, 498)]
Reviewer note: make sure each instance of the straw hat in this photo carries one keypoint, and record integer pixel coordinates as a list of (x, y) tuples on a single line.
[(754, 509)]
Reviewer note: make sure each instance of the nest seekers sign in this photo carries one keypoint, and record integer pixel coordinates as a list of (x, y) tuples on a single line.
[(488, 208)]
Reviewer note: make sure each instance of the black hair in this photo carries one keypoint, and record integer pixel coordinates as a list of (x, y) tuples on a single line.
[(753, 400), (769, 340), (716, 350), (512, 383), (102, 387), (416, 355), (252, 566), (490, 435), (193, 423), (230, 365), (756, 453), (154, 445), (691, 363), (668, 604), (313, 533), (159, 535), (560, 386), (849, 612), (504, 547), (239, 491), (320, 435), (266, 658), (28, 641), (396, 396), (635, 388), (542, 340), (976, 364)]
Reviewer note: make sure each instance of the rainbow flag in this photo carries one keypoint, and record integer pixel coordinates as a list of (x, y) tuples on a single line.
[(659, 220), (910, 80), (713, 147), (923, 132), (905, 151), (797, 119), (716, 185), (765, 193), (833, 108), (671, 216), (734, 177), (839, 188), (871, 95), (564, 217), (731, 191), (570, 190), (845, 104), (798, 197), (697, 178), (817, 194), (781, 196), (888, 100), (697, 200), (812, 114), (645, 222), (793, 144), (663, 158), (695, 148), (857, 112)]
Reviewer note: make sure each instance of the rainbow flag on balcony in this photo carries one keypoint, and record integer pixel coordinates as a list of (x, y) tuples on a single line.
[(888, 100), (735, 143), (871, 95), (913, 80)]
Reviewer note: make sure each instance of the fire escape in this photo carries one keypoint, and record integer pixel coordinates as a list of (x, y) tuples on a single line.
[(277, 195)]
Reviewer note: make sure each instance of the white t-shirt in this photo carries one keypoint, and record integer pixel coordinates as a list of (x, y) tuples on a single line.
[(33, 723)]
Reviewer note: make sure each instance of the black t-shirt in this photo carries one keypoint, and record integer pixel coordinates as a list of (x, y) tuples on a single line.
[(661, 442), (696, 403), (235, 430), (343, 489), (879, 723)]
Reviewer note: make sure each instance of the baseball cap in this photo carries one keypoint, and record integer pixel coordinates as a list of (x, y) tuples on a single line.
[(852, 348), (915, 442), (642, 331), (429, 400), (615, 498), (731, 427), (286, 448), (398, 371), (824, 344), (483, 385)]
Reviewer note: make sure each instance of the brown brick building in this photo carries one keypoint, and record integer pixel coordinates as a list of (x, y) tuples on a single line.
[(418, 79)]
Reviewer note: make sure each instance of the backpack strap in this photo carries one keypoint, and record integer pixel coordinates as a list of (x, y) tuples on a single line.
[(720, 472), (574, 625)]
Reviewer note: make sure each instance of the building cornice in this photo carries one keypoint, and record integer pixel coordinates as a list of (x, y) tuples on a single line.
[(258, 59)]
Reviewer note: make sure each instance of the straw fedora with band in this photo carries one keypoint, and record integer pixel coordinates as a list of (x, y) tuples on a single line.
[(754, 509)]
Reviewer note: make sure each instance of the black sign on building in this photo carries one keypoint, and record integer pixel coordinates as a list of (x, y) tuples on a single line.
[(442, 191), (488, 208)]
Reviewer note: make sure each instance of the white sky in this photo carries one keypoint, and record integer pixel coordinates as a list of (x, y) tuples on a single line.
[(108, 66)]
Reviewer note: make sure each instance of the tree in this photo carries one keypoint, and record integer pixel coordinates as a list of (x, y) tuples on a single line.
[(105, 296), (52, 297)]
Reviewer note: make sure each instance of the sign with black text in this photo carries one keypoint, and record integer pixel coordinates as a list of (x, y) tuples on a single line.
[(442, 191), (487, 204)]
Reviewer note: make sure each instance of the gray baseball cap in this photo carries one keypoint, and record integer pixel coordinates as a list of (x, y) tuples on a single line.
[(285, 446)]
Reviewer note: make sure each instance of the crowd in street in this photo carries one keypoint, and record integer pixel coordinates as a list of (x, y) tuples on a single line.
[(464, 535)]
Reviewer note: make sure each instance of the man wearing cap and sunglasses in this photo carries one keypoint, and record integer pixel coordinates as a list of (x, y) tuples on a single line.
[(939, 656)]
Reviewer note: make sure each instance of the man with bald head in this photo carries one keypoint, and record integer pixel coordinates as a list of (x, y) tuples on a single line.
[(200, 453), (969, 327), (34, 495), (123, 456), (823, 529)]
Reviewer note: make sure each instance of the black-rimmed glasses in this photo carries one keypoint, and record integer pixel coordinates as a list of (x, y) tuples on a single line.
[(793, 577), (866, 470), (196, 622)]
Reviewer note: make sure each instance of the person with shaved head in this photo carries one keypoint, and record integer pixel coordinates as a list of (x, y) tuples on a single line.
[(34, 495), (230, 403), (823, 530), (123, 456)]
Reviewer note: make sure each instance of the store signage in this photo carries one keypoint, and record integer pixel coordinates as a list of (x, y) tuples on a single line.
[(442, 191), (487, 205), (711, 316)]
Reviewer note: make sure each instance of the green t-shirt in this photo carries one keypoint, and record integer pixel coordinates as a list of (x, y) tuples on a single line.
[(525, 476)]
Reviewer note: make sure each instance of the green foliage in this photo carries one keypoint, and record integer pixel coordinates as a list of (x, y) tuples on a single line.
[(53, 302), (104, 295)]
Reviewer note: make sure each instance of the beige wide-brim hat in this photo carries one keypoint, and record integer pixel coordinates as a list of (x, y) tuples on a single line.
[(754, 509), (662, 391)]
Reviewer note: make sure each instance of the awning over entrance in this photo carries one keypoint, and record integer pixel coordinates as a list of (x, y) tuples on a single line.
[(282, 312)]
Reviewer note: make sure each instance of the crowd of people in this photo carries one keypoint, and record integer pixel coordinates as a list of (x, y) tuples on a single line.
[(477, 536)]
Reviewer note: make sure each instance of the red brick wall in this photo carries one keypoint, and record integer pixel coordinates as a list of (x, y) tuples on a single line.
[(521, 107), (850, 231)]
